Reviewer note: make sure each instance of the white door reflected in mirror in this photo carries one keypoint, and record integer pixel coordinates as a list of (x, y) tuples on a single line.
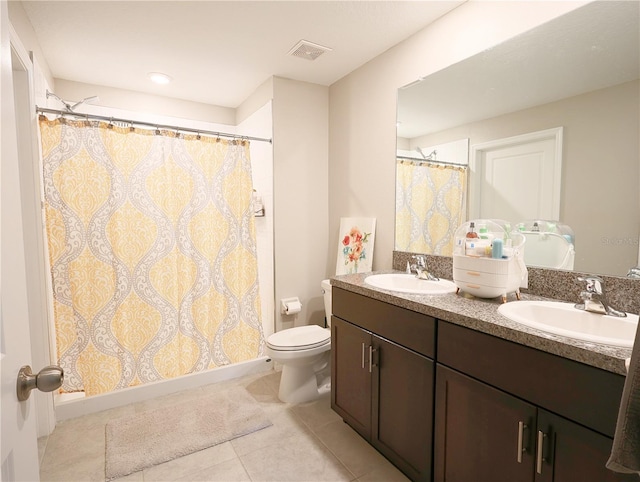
[(517, 177)]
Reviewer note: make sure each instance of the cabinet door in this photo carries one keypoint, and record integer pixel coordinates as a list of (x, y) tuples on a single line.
[(350, 375), (571, 452), (481, 434), (403, 407)]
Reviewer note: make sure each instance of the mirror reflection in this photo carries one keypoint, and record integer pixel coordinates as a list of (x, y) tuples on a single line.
[(566, 97), (548, 244)]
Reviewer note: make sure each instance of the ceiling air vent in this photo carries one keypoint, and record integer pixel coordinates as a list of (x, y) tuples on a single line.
[(308, 50)]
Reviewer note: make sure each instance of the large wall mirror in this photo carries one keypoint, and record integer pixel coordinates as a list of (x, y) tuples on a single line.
[(577, 75)]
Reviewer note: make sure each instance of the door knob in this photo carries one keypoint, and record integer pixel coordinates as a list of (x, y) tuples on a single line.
[(47, 380)]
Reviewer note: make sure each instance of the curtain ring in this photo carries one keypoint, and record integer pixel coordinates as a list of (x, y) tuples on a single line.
[(110, 126), (198, 136), (157, 131)]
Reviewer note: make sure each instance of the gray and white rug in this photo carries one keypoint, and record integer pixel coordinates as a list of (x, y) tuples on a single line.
[(136, 442)]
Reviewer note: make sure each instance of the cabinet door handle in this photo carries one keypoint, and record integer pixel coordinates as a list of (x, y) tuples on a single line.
[(371, 350), (363, 356), (521, 448), (539, 451)]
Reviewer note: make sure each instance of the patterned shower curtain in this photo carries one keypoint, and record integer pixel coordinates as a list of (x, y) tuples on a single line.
[(430, 205), (152, 249)]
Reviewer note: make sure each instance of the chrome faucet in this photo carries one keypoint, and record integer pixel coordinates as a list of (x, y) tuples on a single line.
[(420, 268), (594, 299), (634, 273)]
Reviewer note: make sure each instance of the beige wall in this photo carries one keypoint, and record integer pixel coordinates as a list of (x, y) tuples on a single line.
[(300, 140), (362, 107), (600, 168), (149, 104), (255, 101)]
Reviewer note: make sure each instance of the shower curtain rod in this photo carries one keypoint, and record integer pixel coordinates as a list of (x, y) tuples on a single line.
[(429, 161), (63, 113)]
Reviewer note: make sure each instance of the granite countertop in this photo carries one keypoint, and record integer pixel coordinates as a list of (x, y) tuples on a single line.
[(482, 315)]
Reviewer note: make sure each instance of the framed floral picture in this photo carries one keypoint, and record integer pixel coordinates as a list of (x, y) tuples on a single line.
[(355, 247)]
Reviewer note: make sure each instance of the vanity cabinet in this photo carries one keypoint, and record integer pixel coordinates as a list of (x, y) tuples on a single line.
[(505, 412), (484, 409), (383, 378), (351, 377)]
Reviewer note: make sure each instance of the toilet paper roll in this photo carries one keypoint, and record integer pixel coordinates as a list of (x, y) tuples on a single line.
[(293, 307)]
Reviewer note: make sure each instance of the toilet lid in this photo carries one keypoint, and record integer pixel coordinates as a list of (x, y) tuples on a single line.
[(299, 338)]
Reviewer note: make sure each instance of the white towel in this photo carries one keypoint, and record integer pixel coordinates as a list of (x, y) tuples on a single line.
[(625, 453)]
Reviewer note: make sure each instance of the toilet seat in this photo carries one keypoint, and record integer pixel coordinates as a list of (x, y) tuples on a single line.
[(299, 338)]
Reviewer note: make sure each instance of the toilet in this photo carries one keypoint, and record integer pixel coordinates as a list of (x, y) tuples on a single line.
[(304, 352)]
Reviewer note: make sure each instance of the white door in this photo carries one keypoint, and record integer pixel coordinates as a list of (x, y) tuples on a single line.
[(517, 178), (19, 451)]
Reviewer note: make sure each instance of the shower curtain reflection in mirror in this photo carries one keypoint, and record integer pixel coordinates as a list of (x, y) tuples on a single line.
[(152, 249), (430, 205)]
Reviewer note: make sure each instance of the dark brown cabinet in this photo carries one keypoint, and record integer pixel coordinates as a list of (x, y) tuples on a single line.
[(572, 452), (403, 407), (381, 388), (351, 380), (485, 409), (481, 433), (484, 434)]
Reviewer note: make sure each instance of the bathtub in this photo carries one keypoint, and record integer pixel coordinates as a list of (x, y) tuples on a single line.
[(71, 407)]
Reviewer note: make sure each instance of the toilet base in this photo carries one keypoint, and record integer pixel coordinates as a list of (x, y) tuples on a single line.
[(304, 383), (324, 387)]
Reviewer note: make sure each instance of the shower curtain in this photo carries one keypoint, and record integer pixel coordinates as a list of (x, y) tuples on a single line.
[(430, 205), (152, 249)]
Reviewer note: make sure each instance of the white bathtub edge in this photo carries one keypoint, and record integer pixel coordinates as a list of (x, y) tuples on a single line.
[(84, 406)]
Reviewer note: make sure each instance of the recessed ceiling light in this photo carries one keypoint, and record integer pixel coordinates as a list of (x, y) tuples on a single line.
[(159, 78)]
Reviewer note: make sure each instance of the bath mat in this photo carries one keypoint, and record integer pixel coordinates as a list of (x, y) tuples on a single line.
[(137, 442)]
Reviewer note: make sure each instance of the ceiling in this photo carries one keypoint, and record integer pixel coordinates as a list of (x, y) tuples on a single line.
[(218, 52)]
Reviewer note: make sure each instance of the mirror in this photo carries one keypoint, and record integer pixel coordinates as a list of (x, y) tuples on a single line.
[(578, 72)]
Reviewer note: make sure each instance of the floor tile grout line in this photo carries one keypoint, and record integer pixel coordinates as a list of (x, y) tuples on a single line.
[(335, 455), (244, 466), (290, 407), (319, 440)]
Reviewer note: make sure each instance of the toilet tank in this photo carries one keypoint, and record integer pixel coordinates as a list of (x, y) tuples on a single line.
[(326, 289)]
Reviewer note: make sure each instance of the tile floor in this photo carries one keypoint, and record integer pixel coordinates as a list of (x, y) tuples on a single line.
[(307, 442)]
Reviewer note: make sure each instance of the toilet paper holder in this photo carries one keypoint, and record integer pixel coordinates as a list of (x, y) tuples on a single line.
[(290, 306)]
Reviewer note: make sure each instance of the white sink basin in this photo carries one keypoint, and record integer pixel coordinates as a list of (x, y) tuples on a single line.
[(566, 320), (408, 283)]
